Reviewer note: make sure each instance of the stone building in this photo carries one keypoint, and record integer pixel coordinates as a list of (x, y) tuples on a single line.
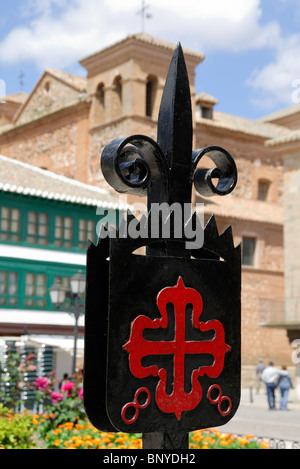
[(66, 120)]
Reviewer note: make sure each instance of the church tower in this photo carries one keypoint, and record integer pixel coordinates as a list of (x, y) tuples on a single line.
[(126, 80)]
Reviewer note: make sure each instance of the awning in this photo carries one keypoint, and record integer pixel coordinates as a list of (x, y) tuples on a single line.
[(64, 343)]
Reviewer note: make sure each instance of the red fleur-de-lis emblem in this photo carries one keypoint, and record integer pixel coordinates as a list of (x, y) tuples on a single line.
[(138, 347)]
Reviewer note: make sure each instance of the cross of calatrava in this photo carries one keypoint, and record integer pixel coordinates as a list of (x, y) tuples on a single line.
[(138, 347)]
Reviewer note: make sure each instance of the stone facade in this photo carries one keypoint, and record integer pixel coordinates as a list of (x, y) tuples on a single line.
[(66, 121)]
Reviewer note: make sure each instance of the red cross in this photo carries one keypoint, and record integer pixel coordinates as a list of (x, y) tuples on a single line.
[(138, 347)]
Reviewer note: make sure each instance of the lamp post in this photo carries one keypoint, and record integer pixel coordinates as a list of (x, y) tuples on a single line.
[(59, 293)]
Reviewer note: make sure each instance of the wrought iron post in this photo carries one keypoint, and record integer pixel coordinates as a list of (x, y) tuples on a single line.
[(162, 331)]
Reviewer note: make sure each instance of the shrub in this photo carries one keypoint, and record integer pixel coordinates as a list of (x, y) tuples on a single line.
[(59, 407), (16, 430)]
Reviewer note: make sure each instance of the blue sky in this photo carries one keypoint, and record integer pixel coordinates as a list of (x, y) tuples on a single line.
[(252, 47)]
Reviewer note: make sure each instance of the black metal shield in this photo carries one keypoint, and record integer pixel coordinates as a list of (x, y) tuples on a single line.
[(173, 357)]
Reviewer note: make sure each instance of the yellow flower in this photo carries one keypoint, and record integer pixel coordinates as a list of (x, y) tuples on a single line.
[(35, 421), (97, 441), (204, 447), (193, 445), (224, 442), (264, 445), (69, 424), (209, 440), (68, 443), (89, 443), (243, 441), (56, 442), (226, 436)]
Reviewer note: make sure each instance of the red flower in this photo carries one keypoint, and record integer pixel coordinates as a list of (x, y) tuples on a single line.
[(56, 397), (42, 383), (67, 387)]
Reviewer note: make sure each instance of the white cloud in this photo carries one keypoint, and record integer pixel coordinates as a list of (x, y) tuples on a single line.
[(274, 84), (60, 32), (57, 33)]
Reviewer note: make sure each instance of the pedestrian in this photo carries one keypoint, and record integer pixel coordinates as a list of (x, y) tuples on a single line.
[(285, 384), (259, 369), (270, 377)]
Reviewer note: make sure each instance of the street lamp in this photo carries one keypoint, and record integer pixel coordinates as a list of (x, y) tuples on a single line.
[(58, 295)]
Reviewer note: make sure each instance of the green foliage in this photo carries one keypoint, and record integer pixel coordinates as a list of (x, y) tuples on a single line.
[(16, 431)]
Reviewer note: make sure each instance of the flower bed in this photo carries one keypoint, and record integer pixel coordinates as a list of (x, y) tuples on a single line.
[(85, 436), (214, 439), (63, 423), (29, 431)]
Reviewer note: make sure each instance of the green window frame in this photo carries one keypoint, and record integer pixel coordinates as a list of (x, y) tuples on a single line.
[(8, 288), (25, 284), (34, 222), (87, 230), (63, 232), (37, 228), (35, 290), (10, 224)]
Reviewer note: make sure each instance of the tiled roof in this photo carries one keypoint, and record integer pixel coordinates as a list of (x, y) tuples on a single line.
[(163, 43), (243, 209), (18, 97), (293, 136), (147, 38), (244, 125), (287, 111), (80, 83), (207, 98), (22, 178)]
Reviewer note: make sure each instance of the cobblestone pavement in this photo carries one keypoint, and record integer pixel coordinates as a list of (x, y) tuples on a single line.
[(254, 417)]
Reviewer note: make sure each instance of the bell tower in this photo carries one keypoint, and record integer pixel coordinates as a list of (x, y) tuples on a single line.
[(126, 80)]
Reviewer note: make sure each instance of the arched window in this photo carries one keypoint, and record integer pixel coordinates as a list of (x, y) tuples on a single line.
[(116, 103), (151, 88), (118, 88), (47, 87), (100, 95)]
